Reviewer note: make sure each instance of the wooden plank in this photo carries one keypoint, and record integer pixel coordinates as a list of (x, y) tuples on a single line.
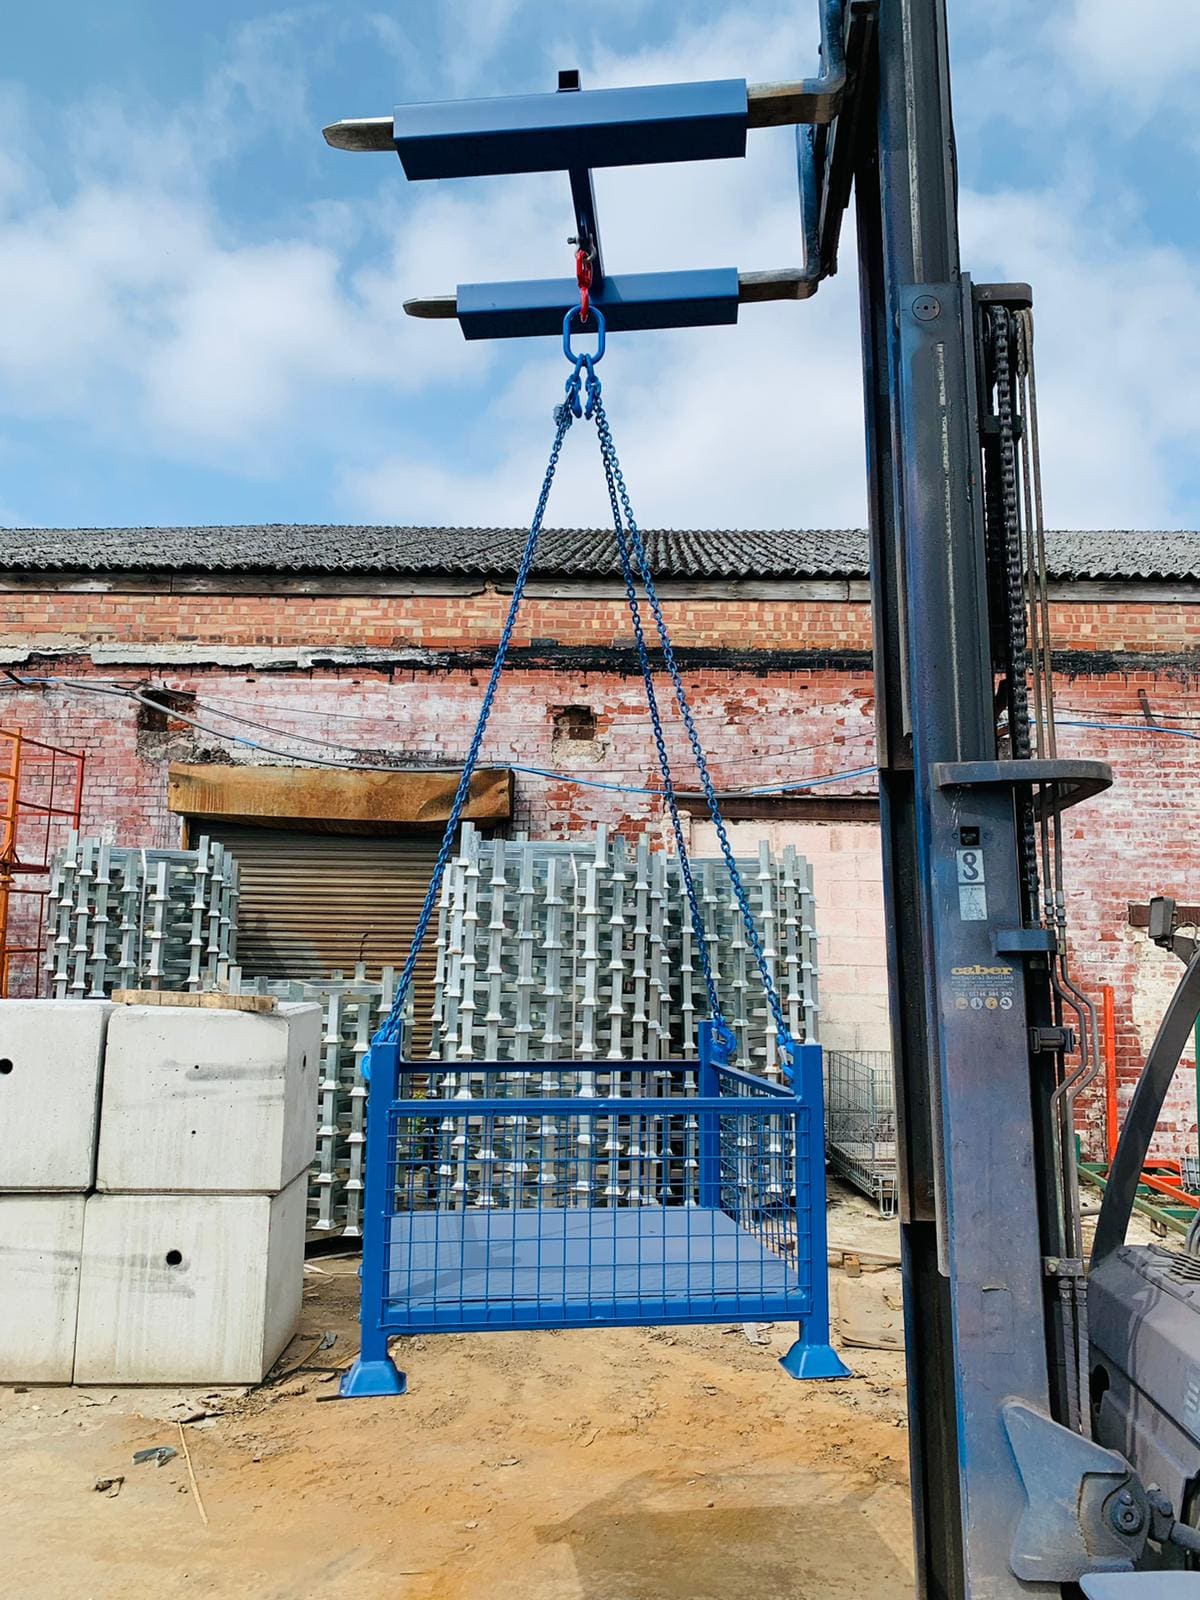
[(329, 799), (197, 1002)]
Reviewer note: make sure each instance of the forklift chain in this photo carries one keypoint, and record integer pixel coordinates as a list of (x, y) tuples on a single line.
[(1017, 636)]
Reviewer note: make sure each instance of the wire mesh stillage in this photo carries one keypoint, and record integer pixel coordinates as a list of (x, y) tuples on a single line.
[(542, 1195), (860, 1099)]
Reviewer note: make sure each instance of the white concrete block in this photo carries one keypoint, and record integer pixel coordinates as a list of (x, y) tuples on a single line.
[(208, 1101), (189, 1288), (51, 1054), (41, 1240)]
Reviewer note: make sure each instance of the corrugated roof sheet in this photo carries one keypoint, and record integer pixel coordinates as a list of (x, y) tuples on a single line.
[(564, 552)]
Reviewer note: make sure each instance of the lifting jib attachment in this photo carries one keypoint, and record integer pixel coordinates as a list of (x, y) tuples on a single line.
[(575, 131)]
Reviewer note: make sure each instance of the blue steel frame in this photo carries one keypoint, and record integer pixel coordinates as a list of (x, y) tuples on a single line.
[(726, 1095)]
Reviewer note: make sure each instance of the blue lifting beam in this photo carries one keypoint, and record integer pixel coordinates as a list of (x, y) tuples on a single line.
[(584, 128), (635, 300), (576, 130)]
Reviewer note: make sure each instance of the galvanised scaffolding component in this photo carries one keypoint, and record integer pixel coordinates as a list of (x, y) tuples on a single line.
[(584, 951), (353, 1008), (123, 918)]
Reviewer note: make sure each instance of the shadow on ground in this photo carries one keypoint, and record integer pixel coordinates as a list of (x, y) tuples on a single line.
[(761, 1538)]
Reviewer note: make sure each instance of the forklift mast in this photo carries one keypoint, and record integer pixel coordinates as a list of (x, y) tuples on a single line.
[(985, 1018), (993, 1041)]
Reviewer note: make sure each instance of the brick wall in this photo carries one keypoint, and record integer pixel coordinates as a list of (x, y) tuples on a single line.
[(766, 715), (51, 621)]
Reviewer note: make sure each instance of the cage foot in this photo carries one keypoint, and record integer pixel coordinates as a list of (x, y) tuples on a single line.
[(814, 1361), (367, 1380)]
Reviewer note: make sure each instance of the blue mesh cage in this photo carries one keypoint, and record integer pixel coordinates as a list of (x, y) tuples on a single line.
[(518, 1195)]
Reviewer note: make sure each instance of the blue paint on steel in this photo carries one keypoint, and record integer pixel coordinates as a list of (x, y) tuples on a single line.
[(588, 128), (371, 1380), (724, 1221), (586, 1105), (598, 353), (374, 1372), (631, 301), (577, 131), (564, 1267), (814, 1361), (812, 1355)]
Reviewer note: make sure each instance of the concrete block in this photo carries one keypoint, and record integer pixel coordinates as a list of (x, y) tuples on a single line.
[(837, 923), (41, 1241), (842, 893), (839, 1034), (51, 1055), (189, 1288), (213, 1102), (838, 979)]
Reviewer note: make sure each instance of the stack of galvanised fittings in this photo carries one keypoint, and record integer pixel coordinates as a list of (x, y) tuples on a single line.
[(352, 1010), (585, 951), (122, 918)]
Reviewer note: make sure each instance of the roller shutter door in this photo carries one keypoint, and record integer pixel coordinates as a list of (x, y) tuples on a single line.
[(316, 903)]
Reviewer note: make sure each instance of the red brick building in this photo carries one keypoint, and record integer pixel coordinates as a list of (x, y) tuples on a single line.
[(321, 649)]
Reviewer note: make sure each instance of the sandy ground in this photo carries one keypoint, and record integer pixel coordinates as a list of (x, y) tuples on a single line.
[(606, 1465)]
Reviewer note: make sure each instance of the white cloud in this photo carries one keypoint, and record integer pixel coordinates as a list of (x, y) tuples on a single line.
[(1053, 70), (759, 425), (141, 310), (1138, 53), (130, 314)]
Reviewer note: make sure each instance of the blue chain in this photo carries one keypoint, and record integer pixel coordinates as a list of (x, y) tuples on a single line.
[(390, 1028), (629, 539), (619, 496), (720, 1025)]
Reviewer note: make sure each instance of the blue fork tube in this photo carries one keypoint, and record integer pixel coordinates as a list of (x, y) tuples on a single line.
[(374, 1373)]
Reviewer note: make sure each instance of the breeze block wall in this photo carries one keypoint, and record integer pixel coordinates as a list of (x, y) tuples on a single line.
[(781, 687)]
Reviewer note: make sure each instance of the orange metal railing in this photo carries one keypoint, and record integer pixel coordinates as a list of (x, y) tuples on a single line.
[(41, 794), (1112, 1126)]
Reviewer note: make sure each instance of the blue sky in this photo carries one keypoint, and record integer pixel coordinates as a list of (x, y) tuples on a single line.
[(200, 303)]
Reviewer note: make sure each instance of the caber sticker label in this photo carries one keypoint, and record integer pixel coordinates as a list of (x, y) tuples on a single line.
[(983, 988)]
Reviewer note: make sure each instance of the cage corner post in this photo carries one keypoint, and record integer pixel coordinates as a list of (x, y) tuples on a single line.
[(713, 1055), (812, 1355), (373, 1374)]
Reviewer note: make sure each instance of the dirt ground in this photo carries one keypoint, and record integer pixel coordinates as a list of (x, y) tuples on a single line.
[(659, 1464)]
